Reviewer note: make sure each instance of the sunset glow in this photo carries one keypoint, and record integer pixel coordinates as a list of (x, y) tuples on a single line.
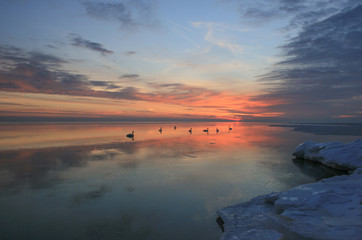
[(208, 105), (145, 119), (168, 60)]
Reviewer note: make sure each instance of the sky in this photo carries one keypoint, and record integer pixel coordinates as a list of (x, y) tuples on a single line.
[(151, 60)]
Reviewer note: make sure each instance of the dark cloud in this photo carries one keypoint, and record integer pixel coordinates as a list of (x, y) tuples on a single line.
[(46, 59), (322, 72), (10, 55), (130, 14), (112, 86), (42, 73), (171, 85), (107, 84), (299, 12), (51, 46), (130, 93), (130, 53), (71, 81), (7, 51), (13, 104), (99, 83), (129, 76), (168, 85), (32, 77), (78, 41), (37, 72)]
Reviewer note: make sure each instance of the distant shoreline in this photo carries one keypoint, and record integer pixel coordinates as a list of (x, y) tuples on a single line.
[(95, 120), (348, 129)]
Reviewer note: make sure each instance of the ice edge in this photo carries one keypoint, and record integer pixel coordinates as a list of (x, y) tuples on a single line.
[(328, 209)]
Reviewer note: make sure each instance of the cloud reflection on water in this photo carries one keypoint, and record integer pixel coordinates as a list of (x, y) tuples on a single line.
[(94, 175), (79, 144)]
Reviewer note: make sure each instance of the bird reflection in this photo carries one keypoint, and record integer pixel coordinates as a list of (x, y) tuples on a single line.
[(131, 135)]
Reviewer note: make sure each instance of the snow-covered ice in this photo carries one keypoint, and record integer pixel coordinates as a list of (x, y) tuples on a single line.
[(333, 154), (330, 209)]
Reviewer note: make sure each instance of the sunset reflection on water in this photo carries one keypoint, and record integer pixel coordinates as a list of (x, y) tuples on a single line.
[(43, 135), (89, 181)]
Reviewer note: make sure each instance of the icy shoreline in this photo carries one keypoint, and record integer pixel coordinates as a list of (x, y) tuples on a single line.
[(333, 154), (328, 209)]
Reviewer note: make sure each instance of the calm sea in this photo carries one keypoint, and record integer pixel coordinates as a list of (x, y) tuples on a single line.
[(90, 181)]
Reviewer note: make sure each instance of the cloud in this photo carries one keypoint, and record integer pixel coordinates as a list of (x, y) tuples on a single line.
[(321, 74), (299, 12), (11, 56), (131, 14), (105, 84), (43, 73), (173, 85), (78, 41), (130, 53), (213, 36), (129, 76), (37, 72), (30, 77), (99, 83), (46, 59), (112, 87)]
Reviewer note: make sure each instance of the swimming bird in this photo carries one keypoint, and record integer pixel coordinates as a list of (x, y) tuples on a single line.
[(217, 130), (130, 135), (206, 130), (230, 128), (190, 130), (160, 130), (174, 127)]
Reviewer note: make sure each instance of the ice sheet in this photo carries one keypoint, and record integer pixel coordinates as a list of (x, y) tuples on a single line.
[(330, 209), (332, 154)]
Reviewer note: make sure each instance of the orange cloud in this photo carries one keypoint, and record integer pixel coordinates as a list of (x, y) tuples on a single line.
[(35, 85), (204, 105)]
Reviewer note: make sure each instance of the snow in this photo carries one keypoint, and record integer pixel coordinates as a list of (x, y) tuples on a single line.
[(333, 154), (330, 209)]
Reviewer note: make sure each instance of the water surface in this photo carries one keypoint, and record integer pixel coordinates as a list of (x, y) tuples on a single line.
[(89, 181)]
